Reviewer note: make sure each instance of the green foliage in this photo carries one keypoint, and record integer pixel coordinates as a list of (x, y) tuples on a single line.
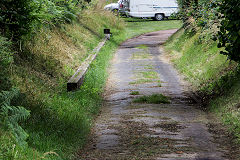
[(16, 17), (19, 18), (6, 58), (229, 34), (213, 14), (10, 116), (199, 61), (199, 13), (134, 93)]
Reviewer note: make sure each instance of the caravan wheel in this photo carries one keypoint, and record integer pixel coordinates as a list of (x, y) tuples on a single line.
[(159, 17)]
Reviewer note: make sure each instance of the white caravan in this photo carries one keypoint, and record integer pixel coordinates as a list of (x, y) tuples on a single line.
[(157, 9)]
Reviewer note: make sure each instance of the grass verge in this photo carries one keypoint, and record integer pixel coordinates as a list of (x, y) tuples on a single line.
[(136, 27), (210, 73)]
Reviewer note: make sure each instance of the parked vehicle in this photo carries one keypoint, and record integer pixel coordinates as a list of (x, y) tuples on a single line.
[(156, 9), (117, 8), (124, 8), (114, 7)]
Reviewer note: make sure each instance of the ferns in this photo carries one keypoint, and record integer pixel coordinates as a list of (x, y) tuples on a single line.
[(10, 116)]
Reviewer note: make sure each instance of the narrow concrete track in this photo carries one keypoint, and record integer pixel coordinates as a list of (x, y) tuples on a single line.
[(126, 130)]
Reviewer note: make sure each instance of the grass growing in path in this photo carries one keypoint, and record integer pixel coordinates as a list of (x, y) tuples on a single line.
[(142, 46), (148, 67), (141, 56), (149, 74), (134, 93), (152, 99), (142, 81)]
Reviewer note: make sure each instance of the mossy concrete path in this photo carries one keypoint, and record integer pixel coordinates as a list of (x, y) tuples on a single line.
[(131, 131)]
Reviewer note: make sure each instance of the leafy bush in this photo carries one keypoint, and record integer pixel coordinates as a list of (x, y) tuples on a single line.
[(21, 17), (199, 13), (229, 34), (220, 18), (10, 116), (16, 17)]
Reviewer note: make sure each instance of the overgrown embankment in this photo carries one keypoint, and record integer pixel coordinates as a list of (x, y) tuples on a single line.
[(206, 51), (41, 53), (211, 74), (59, 122)]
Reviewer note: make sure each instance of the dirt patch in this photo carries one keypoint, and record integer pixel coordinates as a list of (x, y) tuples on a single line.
[(222, 136), (136, 138), (169, 126)]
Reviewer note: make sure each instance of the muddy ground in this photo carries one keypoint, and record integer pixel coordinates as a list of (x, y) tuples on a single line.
[(132, 131)]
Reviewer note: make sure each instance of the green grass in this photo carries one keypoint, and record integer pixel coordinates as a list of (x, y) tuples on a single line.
[(152, 99), (200, 63), (60, 122), (210, 73), (136, 27), (134, 93), (149, 74), (141, 81), (141, 55), (148, 67), (142, 46)]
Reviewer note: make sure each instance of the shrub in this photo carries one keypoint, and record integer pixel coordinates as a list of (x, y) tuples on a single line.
[(5, 60), (21, 17), (16, 18), (214, 14), (229, 34)]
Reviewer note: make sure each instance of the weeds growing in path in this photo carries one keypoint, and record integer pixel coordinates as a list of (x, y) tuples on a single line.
[(134, 93)]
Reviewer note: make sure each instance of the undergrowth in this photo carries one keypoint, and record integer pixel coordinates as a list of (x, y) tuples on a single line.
[(59, 121)]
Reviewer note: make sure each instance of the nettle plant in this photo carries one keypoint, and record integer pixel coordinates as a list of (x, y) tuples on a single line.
[(10, 116)]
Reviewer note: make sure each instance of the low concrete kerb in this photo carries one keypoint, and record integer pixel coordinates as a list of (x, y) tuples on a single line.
[(78, 78)]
